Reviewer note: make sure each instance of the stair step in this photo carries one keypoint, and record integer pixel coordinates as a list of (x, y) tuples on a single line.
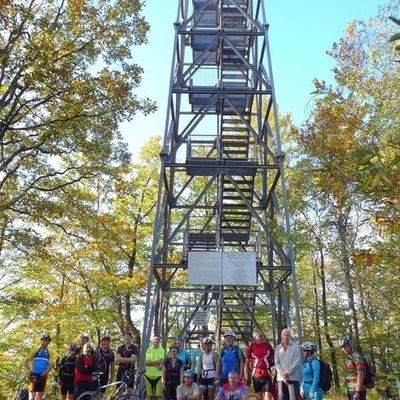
[(234, 198), (237, 222), (234, 190)]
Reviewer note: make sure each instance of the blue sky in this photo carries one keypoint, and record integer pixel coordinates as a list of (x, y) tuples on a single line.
[(300, 33)]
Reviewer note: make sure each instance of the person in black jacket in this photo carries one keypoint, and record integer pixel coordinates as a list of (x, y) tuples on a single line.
[(66, 372)]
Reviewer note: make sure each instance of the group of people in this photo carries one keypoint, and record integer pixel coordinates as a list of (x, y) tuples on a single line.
[(180, 375), (75, 370), (298, 375)]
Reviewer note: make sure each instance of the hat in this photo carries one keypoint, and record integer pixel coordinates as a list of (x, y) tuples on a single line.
[(85, 336)]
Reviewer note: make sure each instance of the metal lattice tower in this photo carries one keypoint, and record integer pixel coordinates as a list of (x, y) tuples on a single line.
[(222, 188)]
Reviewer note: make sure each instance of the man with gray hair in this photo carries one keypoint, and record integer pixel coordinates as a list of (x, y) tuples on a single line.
[(288, 361)]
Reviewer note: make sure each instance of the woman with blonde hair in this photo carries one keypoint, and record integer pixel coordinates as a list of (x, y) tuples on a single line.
[(84, 368)]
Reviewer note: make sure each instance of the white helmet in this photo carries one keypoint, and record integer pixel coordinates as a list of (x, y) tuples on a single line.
[(309, 346), (230, 333), (208, 340)]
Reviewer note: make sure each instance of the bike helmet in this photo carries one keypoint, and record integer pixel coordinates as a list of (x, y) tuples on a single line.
[(188, 373), (309, 346), (208, 340), (73, 347), (345, 340), (54, 385), (230, 333), (46, 336)]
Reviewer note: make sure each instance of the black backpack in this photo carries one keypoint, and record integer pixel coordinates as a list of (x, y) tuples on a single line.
[(369, 379), (325, 375)]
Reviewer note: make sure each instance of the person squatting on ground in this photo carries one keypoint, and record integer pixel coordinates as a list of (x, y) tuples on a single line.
[(231, 358), (206, 371), (172, 374), (38, 364), (258, 363), (310, 373), (127, 355), (355, 370), (84, 368), (155, 355), (188, 390), (234, 389), (288, 361), (66, 372), (105, 360)]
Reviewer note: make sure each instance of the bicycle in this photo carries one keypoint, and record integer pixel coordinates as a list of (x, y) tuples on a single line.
[(121, 388)]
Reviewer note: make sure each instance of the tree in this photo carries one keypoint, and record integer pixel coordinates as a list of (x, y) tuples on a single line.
[(66, 81), (88, 271), (396, 37), (350, 149)]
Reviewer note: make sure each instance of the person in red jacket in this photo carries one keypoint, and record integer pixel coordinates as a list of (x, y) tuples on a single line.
[(84, 368), (259, 360)]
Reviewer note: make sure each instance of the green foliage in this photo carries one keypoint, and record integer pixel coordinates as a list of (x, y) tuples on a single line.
[(77, 217), (343, 192), (85, 269)]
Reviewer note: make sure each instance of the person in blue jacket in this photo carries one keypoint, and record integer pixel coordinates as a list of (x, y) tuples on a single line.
[(310, 372)]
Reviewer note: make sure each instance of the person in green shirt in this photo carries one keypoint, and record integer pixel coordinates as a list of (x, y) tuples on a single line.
[(155, 355)]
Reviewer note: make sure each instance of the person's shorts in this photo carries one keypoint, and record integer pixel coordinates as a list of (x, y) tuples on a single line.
[(37, 383), (67, 387), (263, 384), (154, 386), (205, 383)]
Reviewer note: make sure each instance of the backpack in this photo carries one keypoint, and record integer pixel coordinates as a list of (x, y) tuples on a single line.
[(370, 374), (325, 375)]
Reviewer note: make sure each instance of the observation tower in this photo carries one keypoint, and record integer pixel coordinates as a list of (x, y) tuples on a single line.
[(221, 255)]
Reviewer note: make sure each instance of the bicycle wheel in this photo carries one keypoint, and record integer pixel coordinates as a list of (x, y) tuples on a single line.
[(89, 396)]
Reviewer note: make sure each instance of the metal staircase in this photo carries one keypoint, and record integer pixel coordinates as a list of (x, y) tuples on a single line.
[(222, 190)]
